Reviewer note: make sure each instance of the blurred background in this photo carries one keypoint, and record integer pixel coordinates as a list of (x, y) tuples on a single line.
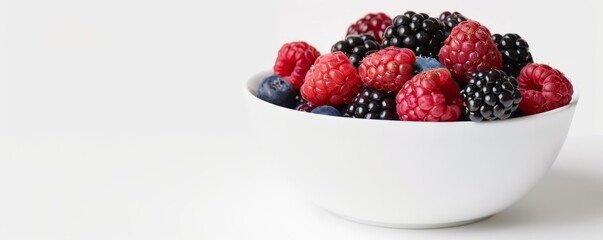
[(124, 119)]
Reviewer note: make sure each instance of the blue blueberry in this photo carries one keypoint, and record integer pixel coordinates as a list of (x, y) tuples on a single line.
[(327, 110), (426, 63), (277, 90)]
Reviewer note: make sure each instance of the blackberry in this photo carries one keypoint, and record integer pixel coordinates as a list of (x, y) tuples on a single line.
[(298, 98), (515, 52), (420, 33), (490, 95), (450, 20), (356, 47), (373, 104)]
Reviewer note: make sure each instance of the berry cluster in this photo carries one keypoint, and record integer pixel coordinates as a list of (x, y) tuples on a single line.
[(416, 68)]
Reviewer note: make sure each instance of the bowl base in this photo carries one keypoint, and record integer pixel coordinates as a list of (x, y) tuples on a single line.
[(409, 226)]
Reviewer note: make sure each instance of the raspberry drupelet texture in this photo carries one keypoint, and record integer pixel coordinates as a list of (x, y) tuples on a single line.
[(431, 96), (469, 49), (293, 62), (373, 24), (387, 69), (332, 80), (543, 88)]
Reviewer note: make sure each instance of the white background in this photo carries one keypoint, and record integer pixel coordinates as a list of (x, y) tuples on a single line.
[(123, 119)]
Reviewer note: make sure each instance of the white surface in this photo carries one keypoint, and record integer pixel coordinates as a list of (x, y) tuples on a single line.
[(409, 174), (117, 120), (179, 190), (566, 204)]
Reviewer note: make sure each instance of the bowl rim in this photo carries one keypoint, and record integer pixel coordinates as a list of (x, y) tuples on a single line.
[(249, 88)]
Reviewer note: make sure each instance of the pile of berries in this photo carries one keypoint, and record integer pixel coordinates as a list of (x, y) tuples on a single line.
[(416, 68)]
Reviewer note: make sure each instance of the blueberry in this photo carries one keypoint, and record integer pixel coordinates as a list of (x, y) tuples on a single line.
[(277, 90), (426, 63), (327, 110)]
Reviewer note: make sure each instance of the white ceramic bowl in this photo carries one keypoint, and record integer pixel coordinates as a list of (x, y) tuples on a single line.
[(410, 174)]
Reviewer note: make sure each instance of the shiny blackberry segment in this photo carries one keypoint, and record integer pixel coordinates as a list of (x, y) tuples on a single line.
[(490, 95), (298, 98), (517, 113), (356, 47), (373, 104), (515, 52), (422, 34), (450, 20)]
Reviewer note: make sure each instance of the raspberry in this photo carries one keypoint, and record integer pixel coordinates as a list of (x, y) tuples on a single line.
[(469, 49), (293, 62), (331, 81), (387, 69), (372, 24), (543, 88), (430, 96)]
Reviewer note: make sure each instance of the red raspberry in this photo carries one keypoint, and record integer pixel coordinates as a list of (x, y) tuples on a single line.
[(543, 88), (387, 69), (372, 24), (331, 81), (469, 49), (293, 62), (430, 96)]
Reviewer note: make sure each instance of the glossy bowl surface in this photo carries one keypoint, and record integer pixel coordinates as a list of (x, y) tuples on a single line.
[(410, 174)]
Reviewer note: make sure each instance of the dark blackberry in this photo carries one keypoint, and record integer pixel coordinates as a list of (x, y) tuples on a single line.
[(517, 114), (515, 52), (420, 33), (373, 104), (450, 20), (298, 98), (356, 47), (490, 95)]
